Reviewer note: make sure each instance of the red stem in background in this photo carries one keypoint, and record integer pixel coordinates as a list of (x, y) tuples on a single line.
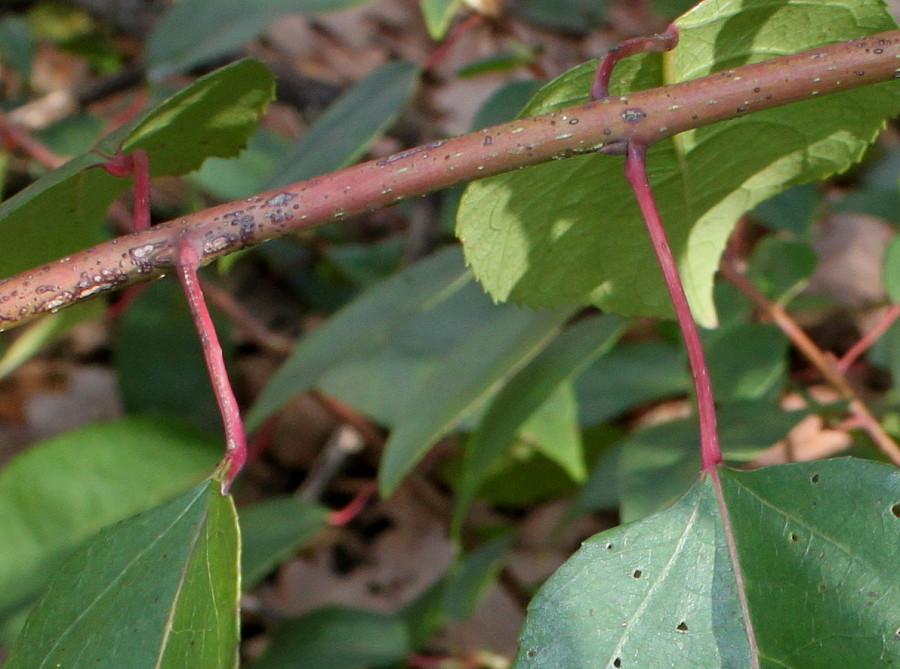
[(869, 338), (636, 173), (22, 138), (815, 355), (663, 41), (340, 517), (235, 439), (140, 165)]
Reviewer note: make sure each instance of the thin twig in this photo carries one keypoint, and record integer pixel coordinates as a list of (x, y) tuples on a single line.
[(240, 317), (869, 338), (347, 414), (31, 146), (664, 41), (235, 439), (816, 357), (344, 442)]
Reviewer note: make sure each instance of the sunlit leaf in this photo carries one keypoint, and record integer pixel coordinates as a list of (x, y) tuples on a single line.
[(571, 232)]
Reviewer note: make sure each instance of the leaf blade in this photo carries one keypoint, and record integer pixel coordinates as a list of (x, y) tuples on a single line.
[(60, 492), (146, 575)]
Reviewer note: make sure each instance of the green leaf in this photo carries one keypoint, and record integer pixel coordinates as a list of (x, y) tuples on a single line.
[(553, 430), (467, 580), (236, 178), (524, 394), (458, 382), (176, 44), (349, 126), (659, 463), (214, 116), (59, 492), (816, 542), (891, 269), (417, 346), (367, 325), (501, 61), (874, 201), (337, 638), (159, 362), (621, 600), (575, 16), (505, 102), (159, 590), (34, 337), (781, 268), (272, 530), (438, 15), (746, 361), (16, 45), (571, 231), (793, 211), (631, 374)]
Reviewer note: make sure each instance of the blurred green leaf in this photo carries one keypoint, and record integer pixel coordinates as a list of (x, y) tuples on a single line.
[(236, 178), (874, 201), (159, 362), (793, 211), (438, 15), (158, 590), (59, 492), (552, 429), (337, 638), (575, 16), (781, 268), (631, 374), (502, 61), (272, 530), (368, 325), (505, 102), (746, 361), (349, 126), (505, 342), (176, 43), (468, 579), (16, 45), (524, 394), (891, 269)]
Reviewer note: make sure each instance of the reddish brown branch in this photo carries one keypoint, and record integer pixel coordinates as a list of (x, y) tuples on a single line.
[(644, 117), (818, 358)]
